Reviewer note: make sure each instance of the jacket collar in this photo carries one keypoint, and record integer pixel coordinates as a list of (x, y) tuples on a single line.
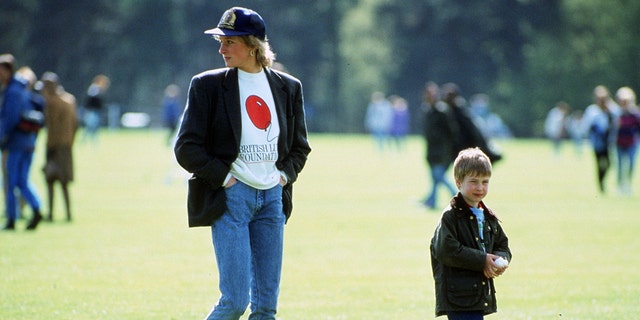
[(461, 208)]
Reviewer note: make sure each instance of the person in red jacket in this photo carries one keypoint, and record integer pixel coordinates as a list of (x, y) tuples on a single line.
[(627, 137)]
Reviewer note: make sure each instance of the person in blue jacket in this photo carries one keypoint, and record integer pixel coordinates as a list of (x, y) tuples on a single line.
[(18, 144)]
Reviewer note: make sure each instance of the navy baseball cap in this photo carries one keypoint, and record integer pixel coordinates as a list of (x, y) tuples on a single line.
[(239, 21)]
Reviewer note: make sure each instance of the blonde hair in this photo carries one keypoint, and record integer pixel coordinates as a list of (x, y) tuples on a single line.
[(26, 74), (601, 92), (626, 94), (471, 162), (264, 54), (102, 81)]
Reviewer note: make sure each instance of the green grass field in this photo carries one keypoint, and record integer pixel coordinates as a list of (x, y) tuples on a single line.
[(356, 246)]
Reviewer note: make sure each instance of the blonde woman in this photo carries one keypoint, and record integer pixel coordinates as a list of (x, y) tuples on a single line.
[(243, 137)]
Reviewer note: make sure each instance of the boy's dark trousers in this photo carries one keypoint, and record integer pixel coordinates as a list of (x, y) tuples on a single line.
[(465, 315)]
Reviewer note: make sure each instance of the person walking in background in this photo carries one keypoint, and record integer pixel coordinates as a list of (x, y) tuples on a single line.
[(469, 135), (29, 79), (399, 122), (94, 105), (243, 136), (598, 123), (440, 132), (469, 248), (62, 125), (555, 124), (378, 119), (627, 137), (19, 144), (171, 110)]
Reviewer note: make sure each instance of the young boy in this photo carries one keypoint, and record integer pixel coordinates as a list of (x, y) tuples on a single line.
[(468, 243)]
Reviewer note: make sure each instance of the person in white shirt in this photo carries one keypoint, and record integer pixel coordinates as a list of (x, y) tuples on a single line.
[(244, 138)]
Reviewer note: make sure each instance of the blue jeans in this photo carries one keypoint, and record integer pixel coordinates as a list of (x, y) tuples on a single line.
[(438, 178), (626, 161), (18, 166), (248, 243), (92, 124)]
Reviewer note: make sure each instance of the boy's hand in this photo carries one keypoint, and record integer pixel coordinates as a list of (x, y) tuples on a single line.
[(491, 269)]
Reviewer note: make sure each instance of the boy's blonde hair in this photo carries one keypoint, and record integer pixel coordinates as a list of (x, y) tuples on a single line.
[(471, 162)]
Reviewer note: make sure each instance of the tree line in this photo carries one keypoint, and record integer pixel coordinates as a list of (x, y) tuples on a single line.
[(525, 54)]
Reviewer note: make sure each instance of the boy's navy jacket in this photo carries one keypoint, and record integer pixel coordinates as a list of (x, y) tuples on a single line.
[(15, 102), (457, 259), (209, 138)]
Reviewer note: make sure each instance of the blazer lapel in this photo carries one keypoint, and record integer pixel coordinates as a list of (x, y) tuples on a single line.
[(232, 102), (280, 99)]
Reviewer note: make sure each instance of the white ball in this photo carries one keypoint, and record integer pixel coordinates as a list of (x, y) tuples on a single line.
[(501, 262)]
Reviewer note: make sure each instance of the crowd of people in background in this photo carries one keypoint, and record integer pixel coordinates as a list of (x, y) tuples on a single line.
[(387, 119), (450, 126), (610, 124), (28, 105)]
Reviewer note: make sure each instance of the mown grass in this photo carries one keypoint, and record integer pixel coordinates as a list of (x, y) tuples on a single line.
[(356, 246)]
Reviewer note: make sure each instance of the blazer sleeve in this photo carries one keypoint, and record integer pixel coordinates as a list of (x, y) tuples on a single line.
[(194, 146)]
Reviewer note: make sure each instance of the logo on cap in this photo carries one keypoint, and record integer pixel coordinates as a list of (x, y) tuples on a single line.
[(228, 20), (239, 21)]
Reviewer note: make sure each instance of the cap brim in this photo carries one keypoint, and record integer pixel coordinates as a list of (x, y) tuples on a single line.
[(225, 32)]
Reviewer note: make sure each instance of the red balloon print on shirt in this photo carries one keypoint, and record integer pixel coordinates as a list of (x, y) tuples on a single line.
[(258, 112)]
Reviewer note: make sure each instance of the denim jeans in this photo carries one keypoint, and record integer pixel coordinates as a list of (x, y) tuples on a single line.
[(248, 244), (626, 161), (438, 178), (18, 166), (92, 124)]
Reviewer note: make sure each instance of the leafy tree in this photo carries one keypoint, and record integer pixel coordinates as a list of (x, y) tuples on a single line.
[(526, 54)]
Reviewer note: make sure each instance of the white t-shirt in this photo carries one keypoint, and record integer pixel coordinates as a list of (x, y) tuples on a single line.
[(256, 162)]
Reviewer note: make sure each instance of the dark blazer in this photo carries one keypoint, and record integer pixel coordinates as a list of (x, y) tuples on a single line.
[(209, 138), (441, 133)]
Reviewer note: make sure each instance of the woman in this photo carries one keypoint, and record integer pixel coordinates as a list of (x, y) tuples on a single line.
[(244, 138), (62, 123), (599, 124), (627, 137)]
